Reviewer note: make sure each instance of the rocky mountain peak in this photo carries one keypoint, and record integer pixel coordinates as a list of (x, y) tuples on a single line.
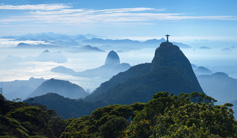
[(169, 71), (169, 55), (112, 58)]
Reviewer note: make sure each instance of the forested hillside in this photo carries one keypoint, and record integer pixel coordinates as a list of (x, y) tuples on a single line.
[(165, 115), (65, 107), (20, 120)]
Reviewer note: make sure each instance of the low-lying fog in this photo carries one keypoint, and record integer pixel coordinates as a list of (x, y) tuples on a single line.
[(15, 63)]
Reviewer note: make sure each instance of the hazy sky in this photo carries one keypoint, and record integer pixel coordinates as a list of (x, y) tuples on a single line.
[(138, 19)]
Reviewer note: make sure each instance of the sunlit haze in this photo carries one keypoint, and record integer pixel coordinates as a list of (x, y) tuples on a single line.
[(207, 27)]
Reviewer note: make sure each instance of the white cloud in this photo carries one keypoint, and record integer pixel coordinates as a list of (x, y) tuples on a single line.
[(121, 15), (46, 7), (62, 11), (13, 43), (128, 10), (63, 14)]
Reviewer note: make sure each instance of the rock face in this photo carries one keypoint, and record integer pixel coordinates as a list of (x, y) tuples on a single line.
[(61, 87), (169, 55), (169, 71), (173, 67), (112, 58)]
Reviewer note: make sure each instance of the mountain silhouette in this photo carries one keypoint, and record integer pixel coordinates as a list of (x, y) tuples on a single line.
[(20, 88), (46, 56), (77, 43), (111, 67), (61, 87), (65, 107), (112, 58), (220, 86), (202, 71), (127, 44), (169, 71), (35, 46), (89, 48), (63, 70)]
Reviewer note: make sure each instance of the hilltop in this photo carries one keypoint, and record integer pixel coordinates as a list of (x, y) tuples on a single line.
[(169, 71)]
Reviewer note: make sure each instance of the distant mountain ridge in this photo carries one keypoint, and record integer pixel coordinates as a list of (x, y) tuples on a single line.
[(45, 56), (20, 88), (88, 48), (202, 71), (128, 44), (220, 86), (63, 70), (67, 108), (61, 41), (61, 87)]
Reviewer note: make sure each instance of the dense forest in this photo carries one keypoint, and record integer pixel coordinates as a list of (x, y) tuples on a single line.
[(165, 115), (20, 120), (186, 115)]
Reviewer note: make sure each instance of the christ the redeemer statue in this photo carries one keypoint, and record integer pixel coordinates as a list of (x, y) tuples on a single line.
[(167, 37)]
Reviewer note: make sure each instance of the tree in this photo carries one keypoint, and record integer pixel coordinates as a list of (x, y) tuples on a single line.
[(186, 115), (113, 128)]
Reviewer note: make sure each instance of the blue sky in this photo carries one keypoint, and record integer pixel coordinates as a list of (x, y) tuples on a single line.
[(185, 20)]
